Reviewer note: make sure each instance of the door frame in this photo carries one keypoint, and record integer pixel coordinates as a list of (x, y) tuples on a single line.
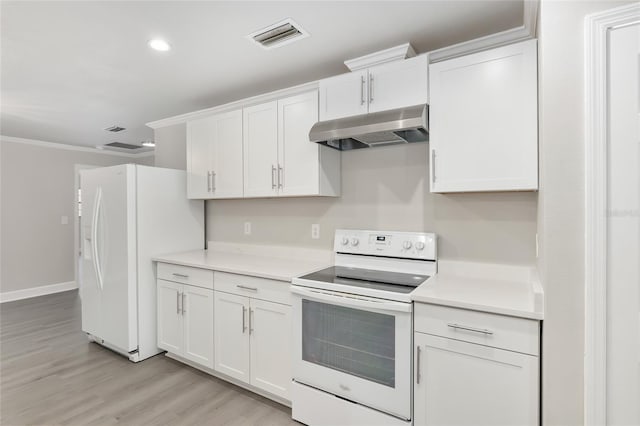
[(76, 221), (597, 29)]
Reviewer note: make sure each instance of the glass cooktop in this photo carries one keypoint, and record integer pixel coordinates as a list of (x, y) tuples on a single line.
[(396, 282)]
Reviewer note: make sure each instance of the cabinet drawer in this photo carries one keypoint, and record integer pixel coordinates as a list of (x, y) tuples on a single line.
[(499, 331), (257, 288), (186, 275)]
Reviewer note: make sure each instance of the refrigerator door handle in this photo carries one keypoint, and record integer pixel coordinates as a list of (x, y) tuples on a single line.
[(94, 237)]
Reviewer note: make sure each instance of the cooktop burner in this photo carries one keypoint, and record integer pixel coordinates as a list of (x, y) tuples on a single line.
[(368, 278)]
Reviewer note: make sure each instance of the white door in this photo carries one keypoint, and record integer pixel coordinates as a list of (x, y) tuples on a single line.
[(226, 179), (111, 237), (170, 320), (398, 84), (297, 156), (483, 133), (231, 334), (343, 95), (197, 311), (460, 383), (271, 347), (199, 140), (623, 228), (260, 144)]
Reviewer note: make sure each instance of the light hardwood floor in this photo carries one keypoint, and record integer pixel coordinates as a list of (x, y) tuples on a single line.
[(50, 374)]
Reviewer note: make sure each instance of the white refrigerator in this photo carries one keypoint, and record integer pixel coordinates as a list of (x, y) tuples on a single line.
[(131, 213)]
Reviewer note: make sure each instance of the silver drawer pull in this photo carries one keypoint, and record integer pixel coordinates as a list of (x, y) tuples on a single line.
[(244, 287), (180, 275), (467, 328)]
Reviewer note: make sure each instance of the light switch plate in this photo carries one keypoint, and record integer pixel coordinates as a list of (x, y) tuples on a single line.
[(64, 220), (247, 228)]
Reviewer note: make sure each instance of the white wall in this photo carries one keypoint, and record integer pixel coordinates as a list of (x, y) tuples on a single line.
[(171, 145), (561, 204), (37, 189)]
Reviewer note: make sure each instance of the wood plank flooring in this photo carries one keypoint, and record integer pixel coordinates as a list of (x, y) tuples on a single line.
[(50, 374)]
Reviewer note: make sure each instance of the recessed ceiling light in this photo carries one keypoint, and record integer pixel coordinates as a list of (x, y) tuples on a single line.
[(159, 45), (149, 143)]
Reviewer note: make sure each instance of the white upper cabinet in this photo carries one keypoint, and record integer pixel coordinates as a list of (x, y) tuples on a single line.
[(260, 140), (279, 159), (343, 95), (382, 87), (483, 111), (214, 156), (398, 84)]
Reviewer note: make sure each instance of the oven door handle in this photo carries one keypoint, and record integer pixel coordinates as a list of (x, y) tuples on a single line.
[(343, 299)]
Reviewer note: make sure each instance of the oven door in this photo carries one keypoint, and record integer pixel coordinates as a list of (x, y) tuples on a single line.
[(355, 347)]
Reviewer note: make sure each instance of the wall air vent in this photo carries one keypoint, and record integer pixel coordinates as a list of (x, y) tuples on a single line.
[(278, 34), (115, 129)]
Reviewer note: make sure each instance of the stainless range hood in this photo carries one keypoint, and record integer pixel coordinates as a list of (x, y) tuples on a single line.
[(397, 126)]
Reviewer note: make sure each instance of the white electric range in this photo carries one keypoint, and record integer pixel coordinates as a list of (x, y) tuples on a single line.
[(353, 329)]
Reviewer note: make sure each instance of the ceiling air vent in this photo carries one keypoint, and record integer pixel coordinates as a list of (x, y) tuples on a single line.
[(278, 34), (115, 129), (121, 145)]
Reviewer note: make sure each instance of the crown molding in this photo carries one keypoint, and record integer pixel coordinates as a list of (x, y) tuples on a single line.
[(524, 32), (242, 103), (395, 53), (55, 145)]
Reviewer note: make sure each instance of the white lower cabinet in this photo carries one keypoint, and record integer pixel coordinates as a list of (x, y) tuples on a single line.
[(253, 341), (185, 321), (460, 379)]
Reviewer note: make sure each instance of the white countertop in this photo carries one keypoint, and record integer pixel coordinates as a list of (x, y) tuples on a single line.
[(505, 290), (265, 262)]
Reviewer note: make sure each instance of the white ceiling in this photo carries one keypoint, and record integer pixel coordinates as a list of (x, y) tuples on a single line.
[(70, 69)]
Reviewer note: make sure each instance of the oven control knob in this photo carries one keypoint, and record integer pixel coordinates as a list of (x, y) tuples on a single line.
[(406, 245), (420, 245), (345, 241), (355, 242)]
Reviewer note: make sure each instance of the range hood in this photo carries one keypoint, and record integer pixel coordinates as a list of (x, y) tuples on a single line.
[(397, 126)]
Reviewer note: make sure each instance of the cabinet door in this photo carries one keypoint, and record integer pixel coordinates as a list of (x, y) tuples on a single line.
[(199, 142), (226, 181), (399, 84), (231, 334), (459, 383), (170, 323), (343, 95), (298, 157), (483, 121), (271, 347), (260, 142), (197, 310)]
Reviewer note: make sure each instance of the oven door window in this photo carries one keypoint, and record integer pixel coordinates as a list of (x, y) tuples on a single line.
[(353, 341)]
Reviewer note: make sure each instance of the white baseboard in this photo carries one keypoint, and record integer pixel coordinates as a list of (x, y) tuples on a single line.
[(10, 296)]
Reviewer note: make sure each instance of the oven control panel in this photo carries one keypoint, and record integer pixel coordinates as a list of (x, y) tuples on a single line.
[(407, 245)]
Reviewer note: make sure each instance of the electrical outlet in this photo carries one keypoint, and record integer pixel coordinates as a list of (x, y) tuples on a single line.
[(315, 231), (247, 228), (64, 220)]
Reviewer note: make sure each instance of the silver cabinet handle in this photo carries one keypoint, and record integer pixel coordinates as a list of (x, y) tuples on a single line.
[(213, 181), (177, 302), (280, 176), (244, 287), (418, 350), (362, 82), (244, 326), (250, 321), (370, 89), (467, 328), (273, 177), (433, 164), (209, 181), (184, 299), (175, 274)]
